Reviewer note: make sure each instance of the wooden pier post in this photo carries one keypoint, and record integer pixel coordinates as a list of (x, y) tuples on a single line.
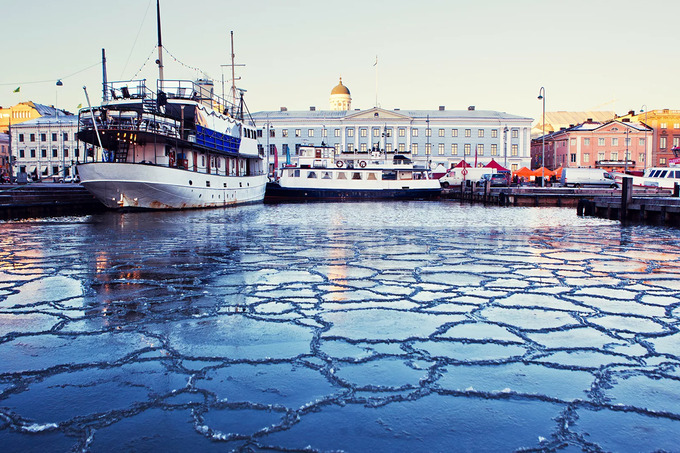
[(626, 197)]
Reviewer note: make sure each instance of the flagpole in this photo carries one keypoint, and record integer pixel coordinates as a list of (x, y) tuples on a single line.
[(376, 81)]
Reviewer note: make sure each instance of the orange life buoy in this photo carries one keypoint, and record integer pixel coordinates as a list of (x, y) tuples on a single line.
[(339, 164), (362, 164)]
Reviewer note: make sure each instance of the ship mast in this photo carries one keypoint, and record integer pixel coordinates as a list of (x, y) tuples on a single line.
[(233, 78), (160, 45)]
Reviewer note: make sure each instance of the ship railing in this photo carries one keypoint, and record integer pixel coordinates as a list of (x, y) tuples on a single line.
[(128, 89), (128, 120), (201, 92)]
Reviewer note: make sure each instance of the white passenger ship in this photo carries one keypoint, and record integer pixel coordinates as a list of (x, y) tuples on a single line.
[(174, 145), (318, 173), (661, 177)]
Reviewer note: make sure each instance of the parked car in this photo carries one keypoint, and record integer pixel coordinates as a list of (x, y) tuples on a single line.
[(71, 178), (500, 180), (587, 177)]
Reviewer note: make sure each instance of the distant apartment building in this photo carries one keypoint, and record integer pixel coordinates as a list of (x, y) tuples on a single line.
[(666, 132), (428, 137), (555, 121), (23, 111), (46, 147), (4, 154), (614, 145)]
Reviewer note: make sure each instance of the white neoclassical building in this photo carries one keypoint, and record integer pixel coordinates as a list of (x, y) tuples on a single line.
[(429, 137)]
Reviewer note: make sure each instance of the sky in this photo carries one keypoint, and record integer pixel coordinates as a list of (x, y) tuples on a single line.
[(493, 54)]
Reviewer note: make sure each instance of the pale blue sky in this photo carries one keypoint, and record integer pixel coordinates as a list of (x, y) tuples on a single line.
[(597, 54)]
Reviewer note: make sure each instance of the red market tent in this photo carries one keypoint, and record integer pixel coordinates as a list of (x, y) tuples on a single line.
[(496, 166), (463, 164), (523, 172), (539, 172)]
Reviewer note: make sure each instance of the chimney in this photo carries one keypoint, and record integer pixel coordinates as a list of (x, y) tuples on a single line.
[(397, 109), (631, 112), (589, 120), (472, 107), (441, 108), (312, 109), (284, 109)]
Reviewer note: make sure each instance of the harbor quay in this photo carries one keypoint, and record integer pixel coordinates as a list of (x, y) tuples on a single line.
[(372, 326)]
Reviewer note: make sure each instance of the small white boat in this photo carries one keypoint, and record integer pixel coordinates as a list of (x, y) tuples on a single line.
[(319, 173), (659, 177)]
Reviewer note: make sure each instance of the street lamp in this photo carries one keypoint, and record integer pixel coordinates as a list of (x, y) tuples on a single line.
[(505, 147), (541, 96), (60, 132), (644, 161)]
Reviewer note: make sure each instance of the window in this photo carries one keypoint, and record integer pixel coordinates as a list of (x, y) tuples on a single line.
[(586, 157), (494, 149), (54, 136), (324, 132), (572, 142), (21, 153), (572, 158), (54, 152), (467, 149), (615, 155), (600, 156), (65, 136), (454, 149), (586, 142), (468, 132), (336, 146), (428, 132), (272, 133), (402, 132), (32, 137), (76, 152), (388, 132), (350, 147), (402, 147), (641, 157), (414, 148), (388, 147), (662, 161), (676, 125), (662, 142), (600, 142), (376, 132), (515, 150), (363, 132), (21, 138), (441, 132), (494, 133), (676, 142), (480, 133), (363, 147), (615, 141), (642, 142), (310, 132), (336, 133), (454, 132), (515, 133), (43, 152), (627, 141), (662, 125), (43, 137), (350, 132), (414, 132), (440, 148), (428, 148), (284, 133), (514, 167), (55, 170), (298, 132), (258, 133), (33, 152)]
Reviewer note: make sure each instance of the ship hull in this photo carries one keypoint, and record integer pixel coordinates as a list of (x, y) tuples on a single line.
[(141, 186), (275, 192)]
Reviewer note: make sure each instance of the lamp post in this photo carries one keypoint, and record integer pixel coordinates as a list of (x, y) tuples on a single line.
[(644, 161), (541, 96), (625, 162), (505, 147), (59, 131)]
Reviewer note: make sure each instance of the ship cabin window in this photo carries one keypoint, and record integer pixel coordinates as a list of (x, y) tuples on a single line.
[(372, 177), (356, 175), (311, 175), (389, 175), (341, 175), (327, 175), (294, 173)]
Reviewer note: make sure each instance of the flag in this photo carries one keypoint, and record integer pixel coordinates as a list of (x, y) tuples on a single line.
[(376, 61), (79, 106), (17, 90)]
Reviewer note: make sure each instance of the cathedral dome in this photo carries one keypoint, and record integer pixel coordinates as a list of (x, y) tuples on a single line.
[(340, 89)]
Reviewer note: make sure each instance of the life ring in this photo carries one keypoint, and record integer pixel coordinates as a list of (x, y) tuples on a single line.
[(362, 164), (339, 164)]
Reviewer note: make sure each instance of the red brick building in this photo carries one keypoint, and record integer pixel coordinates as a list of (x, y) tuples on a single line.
[(614, 145)]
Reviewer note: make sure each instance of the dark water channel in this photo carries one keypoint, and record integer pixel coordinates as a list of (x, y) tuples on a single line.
[(420, 327)]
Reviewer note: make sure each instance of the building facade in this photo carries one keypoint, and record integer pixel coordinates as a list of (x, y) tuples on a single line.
[(665, 124), (4, 155), (46, 147), (614, 146), (23, 111), (429, 137)]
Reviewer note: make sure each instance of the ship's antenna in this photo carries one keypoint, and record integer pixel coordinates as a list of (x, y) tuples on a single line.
[(160, 44), (105, 96), (233, 78)]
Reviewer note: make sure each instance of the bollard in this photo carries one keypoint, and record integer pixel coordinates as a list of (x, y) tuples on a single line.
[(626, 196)]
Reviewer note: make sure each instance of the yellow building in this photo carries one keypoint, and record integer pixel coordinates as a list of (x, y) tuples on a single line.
[(23, 111), (665, 136)]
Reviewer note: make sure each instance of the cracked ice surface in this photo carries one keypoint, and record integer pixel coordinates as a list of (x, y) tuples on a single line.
[(339, 327)]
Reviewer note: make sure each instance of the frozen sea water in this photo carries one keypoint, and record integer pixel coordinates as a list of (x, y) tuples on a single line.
[(419, 326)]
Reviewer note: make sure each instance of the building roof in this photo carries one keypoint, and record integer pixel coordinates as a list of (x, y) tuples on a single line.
[(47, 120), (554, 121), (419, 114), (340, 89)]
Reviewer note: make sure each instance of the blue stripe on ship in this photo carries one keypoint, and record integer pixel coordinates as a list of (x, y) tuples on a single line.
[(216, 140)]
